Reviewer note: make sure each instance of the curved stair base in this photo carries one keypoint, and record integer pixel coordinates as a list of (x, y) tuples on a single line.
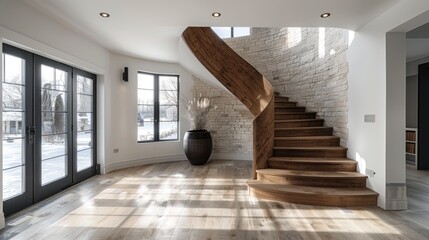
[(319, 196)]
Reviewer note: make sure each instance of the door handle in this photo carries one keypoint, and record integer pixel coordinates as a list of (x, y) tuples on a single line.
[(31, 131)]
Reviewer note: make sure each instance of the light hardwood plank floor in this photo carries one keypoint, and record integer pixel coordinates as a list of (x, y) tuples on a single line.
[(180, 201)]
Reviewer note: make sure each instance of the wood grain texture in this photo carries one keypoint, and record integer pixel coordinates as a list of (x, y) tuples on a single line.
[(289, 109), (340, 197), (308, 141), (237, 75), (298, 123), (295, 115), (178, 201), (334, 179), (303, 131), (263, 138), (317, 152), (243, 81), (313, 164), (286, 104)]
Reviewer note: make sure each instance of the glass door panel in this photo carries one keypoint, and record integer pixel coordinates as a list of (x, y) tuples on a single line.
[(53, 163), (54, 118), (84, 108), (145, 107), (17, 157), (168, 107), (13, 122)]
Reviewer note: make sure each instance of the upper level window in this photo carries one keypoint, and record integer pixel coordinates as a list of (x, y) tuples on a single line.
[(157, 107), (231, 32)]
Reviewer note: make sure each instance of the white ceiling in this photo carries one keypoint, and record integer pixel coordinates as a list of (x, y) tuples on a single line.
[(417, 48), (151, 28), (418, 43)]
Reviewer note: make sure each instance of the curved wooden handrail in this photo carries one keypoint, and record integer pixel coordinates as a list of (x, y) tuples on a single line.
[(242, 80)]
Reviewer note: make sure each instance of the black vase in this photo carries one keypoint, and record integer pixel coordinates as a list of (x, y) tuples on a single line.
[(198, 146)]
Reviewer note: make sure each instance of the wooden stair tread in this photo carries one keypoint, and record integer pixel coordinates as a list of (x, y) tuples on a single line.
[(285, 101), (304, 128), (297, 120), (312, 191), (307, 138), (314, 160), (292, 113), (313, 174), (289, 107), (312, 148)]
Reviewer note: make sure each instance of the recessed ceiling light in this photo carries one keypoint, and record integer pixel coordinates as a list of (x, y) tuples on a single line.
[(104, 14), (325, 15), (216, 14)]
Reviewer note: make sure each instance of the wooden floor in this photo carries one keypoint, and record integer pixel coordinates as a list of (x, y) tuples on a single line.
[(180, 201)]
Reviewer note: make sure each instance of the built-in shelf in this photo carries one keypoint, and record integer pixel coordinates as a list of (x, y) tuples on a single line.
[(411, 147)]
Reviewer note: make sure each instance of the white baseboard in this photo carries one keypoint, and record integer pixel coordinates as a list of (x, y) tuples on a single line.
[(396, 196), (171, 158), (143, 161), (2, 220)]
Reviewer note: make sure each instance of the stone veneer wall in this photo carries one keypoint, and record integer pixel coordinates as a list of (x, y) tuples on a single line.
[(291, 60), (230, 123)]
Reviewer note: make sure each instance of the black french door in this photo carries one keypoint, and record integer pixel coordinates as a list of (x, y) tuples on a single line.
[(53, 127), (48, 127)]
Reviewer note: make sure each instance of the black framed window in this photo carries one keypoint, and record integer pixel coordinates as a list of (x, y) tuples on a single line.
[(231, 32), (157, 107)]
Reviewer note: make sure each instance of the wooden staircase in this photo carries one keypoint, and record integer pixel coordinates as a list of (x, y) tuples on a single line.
[(308, 165), (295, 157)]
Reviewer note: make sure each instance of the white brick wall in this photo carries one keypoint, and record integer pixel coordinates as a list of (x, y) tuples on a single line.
[(230, 124), (291, 60)]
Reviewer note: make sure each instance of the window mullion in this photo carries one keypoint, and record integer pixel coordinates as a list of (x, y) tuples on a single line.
[(156, 108)]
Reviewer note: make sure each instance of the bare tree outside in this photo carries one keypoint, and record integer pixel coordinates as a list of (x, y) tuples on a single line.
[(167, 107)]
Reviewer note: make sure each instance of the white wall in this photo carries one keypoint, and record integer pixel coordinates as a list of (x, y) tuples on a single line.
[(30, 30), (123, 106), (190, 62), (367, 95), (395, 119), (373, 83)]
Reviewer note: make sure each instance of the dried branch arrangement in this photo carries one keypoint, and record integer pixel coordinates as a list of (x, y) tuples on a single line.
[(197, 111)]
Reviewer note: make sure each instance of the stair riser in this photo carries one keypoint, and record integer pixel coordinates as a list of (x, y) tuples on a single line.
[(302, 132), (326, 153), (295, 116), (281, 99), (317, 123), (289, 109), (307, 143), (312, 166), (314, 181), (310, 199), (285, 104)]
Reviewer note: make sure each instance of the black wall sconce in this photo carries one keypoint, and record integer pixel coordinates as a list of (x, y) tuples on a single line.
[(125, 74)]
